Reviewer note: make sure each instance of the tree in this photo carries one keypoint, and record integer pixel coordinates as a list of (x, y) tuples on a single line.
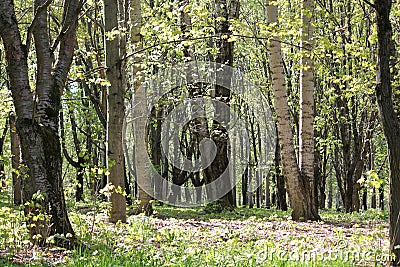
[(142, 171), (306, 120), (116, 110), (389, 119), (299, 186), (38, 121), (224, 11)]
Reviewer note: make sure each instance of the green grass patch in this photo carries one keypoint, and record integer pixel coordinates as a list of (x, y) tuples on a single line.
[(191, 237)]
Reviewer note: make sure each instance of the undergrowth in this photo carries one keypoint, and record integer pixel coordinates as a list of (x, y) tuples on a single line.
[(191, 237)]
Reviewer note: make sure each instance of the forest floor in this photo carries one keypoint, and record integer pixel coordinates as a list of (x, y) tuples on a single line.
[(190, 237)]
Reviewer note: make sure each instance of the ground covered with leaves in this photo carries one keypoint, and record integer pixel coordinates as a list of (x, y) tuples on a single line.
[(192, 237)]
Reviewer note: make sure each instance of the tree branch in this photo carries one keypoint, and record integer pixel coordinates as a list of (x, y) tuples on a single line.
[(42, 7), (67, 42), (204, 38), (369, 3)]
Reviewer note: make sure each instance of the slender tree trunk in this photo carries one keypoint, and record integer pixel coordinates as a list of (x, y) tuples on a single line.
[(373, 199), (16, 161), (364, 199), (245, 179), (2, 140), (330, 194), (79, 164), (381, 198), (280, 195)]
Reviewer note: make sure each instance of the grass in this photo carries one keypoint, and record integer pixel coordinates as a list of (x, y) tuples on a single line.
[(190, 237)]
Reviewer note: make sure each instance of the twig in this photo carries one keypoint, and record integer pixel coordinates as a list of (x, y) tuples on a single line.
[(206, 37), (370, 4)]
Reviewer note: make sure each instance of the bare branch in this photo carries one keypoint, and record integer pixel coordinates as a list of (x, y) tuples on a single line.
[(369, 3), (34, 22)]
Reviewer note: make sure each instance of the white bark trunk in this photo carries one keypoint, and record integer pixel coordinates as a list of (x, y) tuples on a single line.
[(298, 189), (306, 124), (142, 170)]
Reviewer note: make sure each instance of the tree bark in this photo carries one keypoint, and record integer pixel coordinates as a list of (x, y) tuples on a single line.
[(280, 194), (142, 170), (116, 112), (299, 187), (2, 139), (390, 122), (224, 11), (16, 160), (37, 122), (306, 120)]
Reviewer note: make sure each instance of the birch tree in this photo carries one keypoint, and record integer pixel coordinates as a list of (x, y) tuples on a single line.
[(142, 171), (306, 121), (299, 186)]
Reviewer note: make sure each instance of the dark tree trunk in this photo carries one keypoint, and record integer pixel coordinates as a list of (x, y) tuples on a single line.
[(281, 202), (2, 139), (249, 187), (16, 161), (245, 178), (373, 199), (79, 164), (225, 56), (390, 122), (365, 199), (155, 144), (381, 198), (37, 122)]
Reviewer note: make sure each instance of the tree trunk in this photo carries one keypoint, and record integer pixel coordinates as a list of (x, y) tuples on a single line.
[(306, 120), (299, 187), (79, 164), (16, 161), (381, 198), (224, 11), (245, 179), (373, 199), (280, 194), (390, 122), (2, 139), (142, 170), (116, 112), (365, 199), (330, 194), (37, 122)]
